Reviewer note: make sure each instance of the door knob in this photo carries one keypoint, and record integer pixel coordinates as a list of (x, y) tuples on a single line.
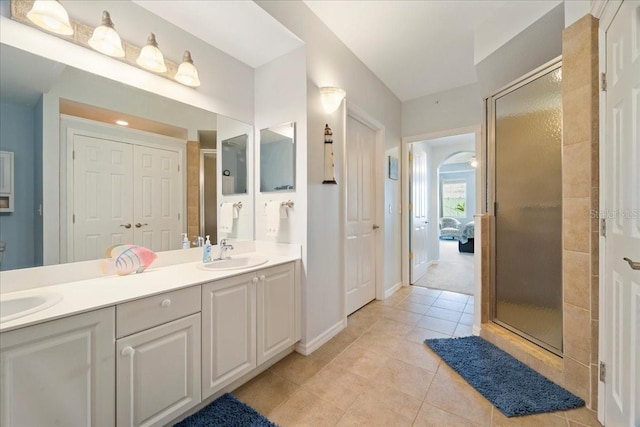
[(127, 226), (138, 225), (375, 227), (635, 265)]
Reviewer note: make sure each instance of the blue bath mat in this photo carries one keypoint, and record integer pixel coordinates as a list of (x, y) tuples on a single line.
[(226, 411), (510, 385)]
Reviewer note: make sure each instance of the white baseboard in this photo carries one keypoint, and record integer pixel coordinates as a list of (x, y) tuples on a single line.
[(307, 348), (392, 290)]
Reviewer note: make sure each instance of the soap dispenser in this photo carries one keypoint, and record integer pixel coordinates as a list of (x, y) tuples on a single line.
[(206, 254), (185, 242)]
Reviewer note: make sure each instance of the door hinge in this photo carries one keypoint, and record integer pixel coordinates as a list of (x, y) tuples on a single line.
[(603, 227), (410, 255), (603, 81), (73, 218), (603, 371)]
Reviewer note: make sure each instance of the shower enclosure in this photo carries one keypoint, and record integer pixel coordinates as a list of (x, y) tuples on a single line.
[(525, 196)]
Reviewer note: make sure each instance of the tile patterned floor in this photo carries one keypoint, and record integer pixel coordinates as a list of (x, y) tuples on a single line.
[(378, 372)]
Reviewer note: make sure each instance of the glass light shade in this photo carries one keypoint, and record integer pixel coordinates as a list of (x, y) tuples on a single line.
[(105, 39), (50, 15), (331, 98), (187, 73), (150, 56)]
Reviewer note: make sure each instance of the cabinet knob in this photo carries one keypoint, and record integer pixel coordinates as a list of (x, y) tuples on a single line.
[(165, 303), (262, 277), (127, 351), (254, 280)]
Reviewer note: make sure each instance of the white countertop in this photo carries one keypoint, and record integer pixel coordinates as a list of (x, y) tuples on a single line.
[(91, 294)]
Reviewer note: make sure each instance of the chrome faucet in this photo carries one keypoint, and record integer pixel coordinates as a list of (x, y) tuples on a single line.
[(223, 246), (198, 241)]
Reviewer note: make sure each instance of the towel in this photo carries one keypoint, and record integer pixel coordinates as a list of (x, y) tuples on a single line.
[(227, 214), (275, 212)]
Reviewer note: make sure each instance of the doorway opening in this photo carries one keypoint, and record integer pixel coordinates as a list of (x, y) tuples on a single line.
[(442, 203)]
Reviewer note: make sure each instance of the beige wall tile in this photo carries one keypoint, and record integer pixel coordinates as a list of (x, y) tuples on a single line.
[(577, 333), (595, 297), (576, 234), (576, 170), (577, 118), (575, 279), (577, 378)]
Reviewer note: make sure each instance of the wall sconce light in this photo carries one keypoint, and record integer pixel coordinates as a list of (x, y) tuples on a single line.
[(329, 167), (187, 73), (150, 56), (473, 162), (50, 15), (105, 39), (331, 98)]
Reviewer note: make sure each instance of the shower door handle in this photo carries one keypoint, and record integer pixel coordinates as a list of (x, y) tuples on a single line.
[(635, 265)]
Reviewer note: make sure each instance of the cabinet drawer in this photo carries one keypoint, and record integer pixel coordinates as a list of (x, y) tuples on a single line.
[(136, 316)]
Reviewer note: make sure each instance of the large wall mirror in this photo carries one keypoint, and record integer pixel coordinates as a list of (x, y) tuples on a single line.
[(113, 183), (278, 158)]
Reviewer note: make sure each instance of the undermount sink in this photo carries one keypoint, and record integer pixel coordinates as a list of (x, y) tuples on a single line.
[(18, 306), (234, 263)]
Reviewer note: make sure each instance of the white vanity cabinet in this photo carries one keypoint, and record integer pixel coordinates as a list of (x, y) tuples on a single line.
[(158, 366), (59, 373), (246, 320), (276, 320), (228, 331)]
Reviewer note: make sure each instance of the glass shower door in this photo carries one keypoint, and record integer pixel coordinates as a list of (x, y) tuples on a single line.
[(527, 145)]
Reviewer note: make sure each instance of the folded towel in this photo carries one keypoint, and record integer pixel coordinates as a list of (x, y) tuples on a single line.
[(274, 213), (227, 214)]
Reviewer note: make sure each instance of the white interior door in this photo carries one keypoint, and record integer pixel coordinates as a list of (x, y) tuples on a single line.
[(102, 196), (419, 223), (158, 200), (622, 205), (360, 229)]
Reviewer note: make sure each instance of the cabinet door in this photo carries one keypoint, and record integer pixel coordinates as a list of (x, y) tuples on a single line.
[(228, 331), (276, 311), (158, 373), (59, 373)]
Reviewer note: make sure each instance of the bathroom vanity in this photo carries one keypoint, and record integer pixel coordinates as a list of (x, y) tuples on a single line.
[(144, 349)]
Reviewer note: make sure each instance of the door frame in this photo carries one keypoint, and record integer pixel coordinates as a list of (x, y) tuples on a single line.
[(605, 11), (361, 115), (480, 195)]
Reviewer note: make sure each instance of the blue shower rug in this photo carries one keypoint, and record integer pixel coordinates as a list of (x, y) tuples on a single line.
[(226, 411), (510, 385)]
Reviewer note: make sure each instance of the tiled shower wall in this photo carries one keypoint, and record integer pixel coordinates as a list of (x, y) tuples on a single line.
[(578, 368), (580, 180)]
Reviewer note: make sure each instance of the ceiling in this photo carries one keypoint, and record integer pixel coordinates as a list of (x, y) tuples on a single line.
[(414, 47)]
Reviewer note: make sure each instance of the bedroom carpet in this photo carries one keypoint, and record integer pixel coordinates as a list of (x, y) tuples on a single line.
[(453, 272), (226, 411), (510, 385)]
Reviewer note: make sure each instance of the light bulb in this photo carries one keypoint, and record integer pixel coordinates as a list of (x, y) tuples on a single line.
[(150, 56), (105, 39), (50, 15), (187, 73)]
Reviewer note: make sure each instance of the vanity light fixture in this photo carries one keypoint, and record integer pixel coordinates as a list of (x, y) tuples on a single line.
[(150, 57), (331, 98), (105, 39), (50, 15), (187, 73)]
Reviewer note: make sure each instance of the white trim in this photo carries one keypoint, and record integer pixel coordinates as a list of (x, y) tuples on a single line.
[(307, 348), (605, 10), (475, 330), (392, 290), (361, 115)]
